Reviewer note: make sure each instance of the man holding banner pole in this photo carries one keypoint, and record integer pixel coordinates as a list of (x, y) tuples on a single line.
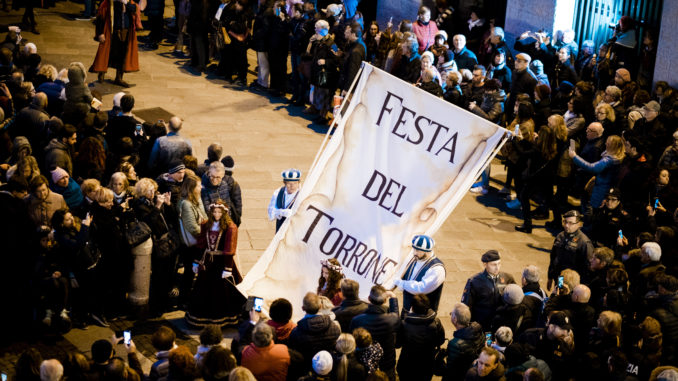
[(281, 203), (425, 274)]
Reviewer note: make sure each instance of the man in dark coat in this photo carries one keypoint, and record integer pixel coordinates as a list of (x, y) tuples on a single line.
[(421, 332), (483, 291), (314, 332), (30, 122), (522, 81), (571, 249), (464, 58), (350, 306), (486, 367), (382, 325), (355, 54), (464, 346)]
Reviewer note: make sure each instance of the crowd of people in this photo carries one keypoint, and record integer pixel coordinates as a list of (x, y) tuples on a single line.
[(104, 217)]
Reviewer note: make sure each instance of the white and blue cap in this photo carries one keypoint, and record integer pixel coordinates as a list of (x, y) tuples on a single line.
[(423, 242), (291, 174)]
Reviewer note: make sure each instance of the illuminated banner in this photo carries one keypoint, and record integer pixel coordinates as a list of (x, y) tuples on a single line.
[(398, 163)]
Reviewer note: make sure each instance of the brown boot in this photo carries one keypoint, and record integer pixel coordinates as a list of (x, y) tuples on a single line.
[(100, 77)]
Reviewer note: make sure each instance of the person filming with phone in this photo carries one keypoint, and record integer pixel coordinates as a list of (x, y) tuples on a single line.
[(571, 248)]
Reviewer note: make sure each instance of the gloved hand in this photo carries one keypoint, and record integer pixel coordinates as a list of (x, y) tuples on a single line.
[(398, 283), (285, 212)]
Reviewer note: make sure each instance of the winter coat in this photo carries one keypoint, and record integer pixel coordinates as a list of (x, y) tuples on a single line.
[(57, 155), (314, 333), (30, 122), (465, 59), (492, 107), (356, 54), (462, 349), (71, 193), (419, 336), (606, 170), (425, 34), (267, 363), (383, 327), (78, 96), (347, 310)]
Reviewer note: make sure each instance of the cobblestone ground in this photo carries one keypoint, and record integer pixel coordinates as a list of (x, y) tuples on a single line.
[(264, 135)]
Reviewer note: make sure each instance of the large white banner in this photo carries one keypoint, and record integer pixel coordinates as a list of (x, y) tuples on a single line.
[(397, 165)]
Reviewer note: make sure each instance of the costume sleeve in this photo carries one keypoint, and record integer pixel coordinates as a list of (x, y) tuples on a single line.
[(231, 239), (273, 212), (434, 277)]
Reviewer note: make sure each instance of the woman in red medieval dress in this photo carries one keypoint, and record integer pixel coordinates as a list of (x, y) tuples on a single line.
[(116, 24), (215, 299)]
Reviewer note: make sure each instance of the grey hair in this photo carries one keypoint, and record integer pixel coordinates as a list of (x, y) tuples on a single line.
[(262, 335), (652, 250), (217, 167), (531, 273), (462, 313)]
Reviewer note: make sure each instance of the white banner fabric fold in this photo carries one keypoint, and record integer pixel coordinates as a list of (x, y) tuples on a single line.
[(397, 165)]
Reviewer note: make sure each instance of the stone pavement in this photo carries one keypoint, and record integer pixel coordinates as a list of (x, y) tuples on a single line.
[(266, 135)]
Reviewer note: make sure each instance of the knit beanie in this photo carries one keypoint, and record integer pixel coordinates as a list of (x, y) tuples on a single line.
[(513, 294), (58, 174), (322, 363)]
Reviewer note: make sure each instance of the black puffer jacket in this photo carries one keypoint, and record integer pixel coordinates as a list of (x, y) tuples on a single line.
[(383, 327), (419, 336), (462, 349), (313, 334), (347, 310)]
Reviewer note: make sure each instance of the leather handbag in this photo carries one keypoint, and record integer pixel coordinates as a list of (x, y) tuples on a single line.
[(137, 232), (165, 245)]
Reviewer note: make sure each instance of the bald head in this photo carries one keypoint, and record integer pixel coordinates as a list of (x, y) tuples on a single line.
[(581, 294), (596, 129), (39, 100), (175, 123)]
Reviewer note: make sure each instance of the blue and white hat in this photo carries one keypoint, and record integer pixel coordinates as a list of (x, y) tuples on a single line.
[(291, 174), (423, 242)]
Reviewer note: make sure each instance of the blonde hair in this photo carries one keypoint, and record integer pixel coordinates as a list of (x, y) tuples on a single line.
[(119, 176), (89, 185), (48, 71), (571, 278), (240, 373), (103, 195), (558, 123), (146, 187), (610, 322), (609, 111), (615, 147), (28, 162), (345, 346)]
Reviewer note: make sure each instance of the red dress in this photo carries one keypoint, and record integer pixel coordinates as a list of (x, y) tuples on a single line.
[(215, 299), (103, 56)]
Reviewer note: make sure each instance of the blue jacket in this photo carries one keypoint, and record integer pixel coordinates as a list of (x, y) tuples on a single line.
[(606, 170), (71, 193)]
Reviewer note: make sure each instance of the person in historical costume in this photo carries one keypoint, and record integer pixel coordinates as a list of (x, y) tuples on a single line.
[(425, 274), (116, 23), (284, 197), (330, 281), (215, 299)]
